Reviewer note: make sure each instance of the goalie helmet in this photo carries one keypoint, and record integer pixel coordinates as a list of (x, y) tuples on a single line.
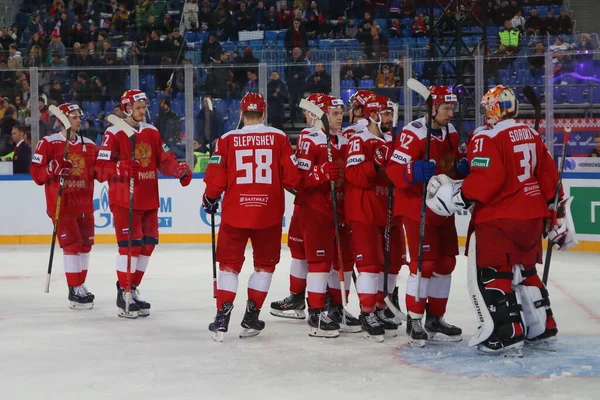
[(253, 102), (499, 103), (131, 96)]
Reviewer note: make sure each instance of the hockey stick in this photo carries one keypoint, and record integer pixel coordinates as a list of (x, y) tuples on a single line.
[(529, 93), (130, 132), (418, 87), (556, 195), (207, 129), (387, 235), (65, 121), (308, 106)]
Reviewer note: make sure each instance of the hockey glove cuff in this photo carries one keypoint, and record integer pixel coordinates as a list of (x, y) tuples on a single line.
[(382, 155), (62, 168), (420, 171), (210, 205), (127, 168), (328, 172), (184, 174), (462, 167)]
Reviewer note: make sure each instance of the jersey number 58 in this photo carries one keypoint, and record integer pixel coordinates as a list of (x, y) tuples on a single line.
[(245, 161)]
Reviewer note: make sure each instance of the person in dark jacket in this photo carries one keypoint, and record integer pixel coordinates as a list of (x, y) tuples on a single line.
[(277, 94), (22, 153), (296, 73)]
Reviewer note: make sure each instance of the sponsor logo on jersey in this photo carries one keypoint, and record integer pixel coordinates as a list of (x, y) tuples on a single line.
[(400, 157), (165, 147), (104, 155), (321, 253), (214, 160), (304, 164), (481, 162), (294, 160), (254, 200), (355, 160), (37, 158)]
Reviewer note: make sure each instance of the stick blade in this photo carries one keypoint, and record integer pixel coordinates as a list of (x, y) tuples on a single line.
[(209, 104), (310, 107), (60, 115), (121, 124), (418, 87)]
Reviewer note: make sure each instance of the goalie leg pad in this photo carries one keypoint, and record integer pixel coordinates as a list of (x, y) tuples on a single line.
[(537, 314)]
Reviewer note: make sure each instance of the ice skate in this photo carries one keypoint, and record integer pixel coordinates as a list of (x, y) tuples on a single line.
[(347, 322), (292, 306), (251, 324), (79, 300), (394, 305), (414, 329), (439, 330), (143, 305), (134, 309), (221, 322), (496, 347), (371, 326), (546, 341), (388, 321), (321, 325), (89, 294)]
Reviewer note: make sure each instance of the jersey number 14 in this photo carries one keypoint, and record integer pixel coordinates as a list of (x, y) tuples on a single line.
[(245, 161)]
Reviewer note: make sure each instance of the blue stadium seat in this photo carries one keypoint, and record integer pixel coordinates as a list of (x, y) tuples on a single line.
[(559, 95), (271, 36), (347, 84), (575, 95), (366, 83), (345, 95), (92, 107)]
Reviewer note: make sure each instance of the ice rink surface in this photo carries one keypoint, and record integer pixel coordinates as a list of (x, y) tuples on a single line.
[(48, 351)]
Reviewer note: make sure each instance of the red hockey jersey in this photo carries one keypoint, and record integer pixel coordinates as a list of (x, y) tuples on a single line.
[(410, 147), (512, 174), (356, 127), (253, 166), (366, 194), (152, 154), (78, 189), (312, 191)]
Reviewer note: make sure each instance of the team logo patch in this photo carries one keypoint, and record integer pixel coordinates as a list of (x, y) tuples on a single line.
[(125, 230), (321, 253), (143, 154), (37, 158), (78, 163), (165, 147), (417, 124), (214, 160), (426, 247), (63, 236), (481, 162), (359, 257)]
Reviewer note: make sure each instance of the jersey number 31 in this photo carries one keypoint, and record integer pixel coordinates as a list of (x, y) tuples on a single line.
[(245, 161)]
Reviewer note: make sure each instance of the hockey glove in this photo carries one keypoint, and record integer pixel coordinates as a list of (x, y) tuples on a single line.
[(62, 168), (210, 205), (184, 173), (420, 171), (382, 155), (127, 168), (462, 167), (562, 233), (328, 172), (444, 196)]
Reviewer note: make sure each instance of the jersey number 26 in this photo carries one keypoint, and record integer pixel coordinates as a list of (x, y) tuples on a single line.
[(245, 160)]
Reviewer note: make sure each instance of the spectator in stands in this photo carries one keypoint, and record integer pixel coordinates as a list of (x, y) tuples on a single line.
[(351, 30), (4, 106), (168, 123), (251, 85), (596, 151), (6, 124), (176, 45), (91, 35), (15, 60), (296, 73), (55, 93), (347, 71), (21, 157), (114, 78), (510, 37), (77, 34), (211, 49), (216, 129), (154, 49), (271, 19), (205, 18), (277, 96), (56, 44), (319, 81), (518, 22), (34, 59), (419, 28), (190, 16), (385, 78), (312, 26), (6, 39), (534, 24), (364, 28), (376, 44), (120, 20), (258, 16), (364, 70), (36, 26), (87, 90), (295, 37), (241, 18), (37, 40), (285, 17), (21, 110), (537, 59), (550, 26), (395, 30), (565, 25)]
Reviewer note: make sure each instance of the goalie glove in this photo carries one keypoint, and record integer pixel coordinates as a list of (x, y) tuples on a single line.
[(444, 196), (562, 233)]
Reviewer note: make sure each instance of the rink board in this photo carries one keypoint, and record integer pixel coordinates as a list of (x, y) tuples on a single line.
[(182, 220)]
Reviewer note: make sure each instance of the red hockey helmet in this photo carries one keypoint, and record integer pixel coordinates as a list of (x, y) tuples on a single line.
[(253, 102), (131, 96), (69, 108), (326, 102), (315, 97), (441, 94), (377, 103), (360, 98)]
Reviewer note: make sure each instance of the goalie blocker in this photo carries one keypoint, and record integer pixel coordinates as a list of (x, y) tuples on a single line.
[(511, 182)]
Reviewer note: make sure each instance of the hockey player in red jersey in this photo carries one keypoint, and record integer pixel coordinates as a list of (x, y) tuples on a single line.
[(409, 171), (366, 202), (75, 231), (358, 120), (294, 305), (252, 166), (316, 210), (114, 165), (511, 183)]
